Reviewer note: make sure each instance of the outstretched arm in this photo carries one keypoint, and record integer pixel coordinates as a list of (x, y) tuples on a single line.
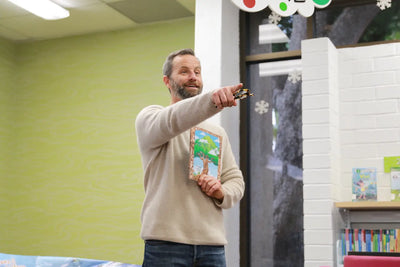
[(162, 124)]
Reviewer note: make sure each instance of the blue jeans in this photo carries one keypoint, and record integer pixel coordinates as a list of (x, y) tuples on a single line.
[(159, 253)]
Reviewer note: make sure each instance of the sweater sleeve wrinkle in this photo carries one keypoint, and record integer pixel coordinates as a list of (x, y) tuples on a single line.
[(233, 192), (156, 125), (233, 186), (231, 177)]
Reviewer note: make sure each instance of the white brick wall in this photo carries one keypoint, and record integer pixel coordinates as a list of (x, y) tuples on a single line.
[(351, 118), (370, 125)]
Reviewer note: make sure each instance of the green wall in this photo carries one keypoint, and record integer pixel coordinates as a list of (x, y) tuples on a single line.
[(75, 186), (7, 70)]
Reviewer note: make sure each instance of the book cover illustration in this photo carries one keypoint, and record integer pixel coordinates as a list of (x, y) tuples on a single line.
[(364, 184), (395, 183), (205, 153), (392, 166)]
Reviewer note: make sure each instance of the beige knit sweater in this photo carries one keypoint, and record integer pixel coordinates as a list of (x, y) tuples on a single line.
[(175, 209)]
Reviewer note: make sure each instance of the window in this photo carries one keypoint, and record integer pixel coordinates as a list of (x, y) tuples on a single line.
[(271, 121)]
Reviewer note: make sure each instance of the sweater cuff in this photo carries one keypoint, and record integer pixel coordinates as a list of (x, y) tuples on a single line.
[(211, 103)]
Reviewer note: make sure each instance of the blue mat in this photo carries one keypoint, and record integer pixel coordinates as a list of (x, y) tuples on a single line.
[(8, 260)]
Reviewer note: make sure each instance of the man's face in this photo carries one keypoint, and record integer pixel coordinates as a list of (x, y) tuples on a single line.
[(185, 80)]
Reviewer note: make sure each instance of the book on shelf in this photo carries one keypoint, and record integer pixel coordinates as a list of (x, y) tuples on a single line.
[(368, 236), (369, 241), (392, 166), (363, 241), (364, 184), (395, 183), (205, 153), (391, 162)]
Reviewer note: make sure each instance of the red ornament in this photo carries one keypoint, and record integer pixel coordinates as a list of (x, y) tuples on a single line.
[(249, 3)]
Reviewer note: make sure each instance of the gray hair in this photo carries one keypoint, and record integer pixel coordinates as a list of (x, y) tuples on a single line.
[(167, 67)]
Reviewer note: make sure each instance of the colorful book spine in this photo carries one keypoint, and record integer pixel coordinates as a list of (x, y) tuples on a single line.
[(350, 240), (369, 240), (356, 243), (347, 245), (392, 240), (387, 240), (343, 245), (374, 240), (368, 237), (360, 239), (364, 240)]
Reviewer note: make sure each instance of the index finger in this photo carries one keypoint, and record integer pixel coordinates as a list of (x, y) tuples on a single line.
[(236, 88)]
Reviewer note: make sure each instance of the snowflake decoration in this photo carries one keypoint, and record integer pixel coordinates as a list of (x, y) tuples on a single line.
[(383, 4), (295, 76), (274, 18), (261, 107)]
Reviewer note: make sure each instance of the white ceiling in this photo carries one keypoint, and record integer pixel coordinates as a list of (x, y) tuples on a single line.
[(89, 16)]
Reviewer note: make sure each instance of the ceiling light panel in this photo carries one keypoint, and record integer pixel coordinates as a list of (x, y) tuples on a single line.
[(42, 8)]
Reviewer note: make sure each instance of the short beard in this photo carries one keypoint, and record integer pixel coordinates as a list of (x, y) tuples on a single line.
[(181, 92)]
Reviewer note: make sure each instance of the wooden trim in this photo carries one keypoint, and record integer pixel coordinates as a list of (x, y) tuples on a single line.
[(368, 205), (273, 56), (310, 27)]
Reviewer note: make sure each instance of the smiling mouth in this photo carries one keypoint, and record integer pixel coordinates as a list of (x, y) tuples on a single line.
[(192, 86)]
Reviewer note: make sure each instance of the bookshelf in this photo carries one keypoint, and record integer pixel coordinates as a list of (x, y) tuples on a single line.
[(369, 205), (374, 214), (368, 215)]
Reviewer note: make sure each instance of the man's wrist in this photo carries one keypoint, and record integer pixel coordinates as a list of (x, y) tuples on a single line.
[(220, 197)]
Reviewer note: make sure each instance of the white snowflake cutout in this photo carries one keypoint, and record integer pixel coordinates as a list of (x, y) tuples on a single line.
[(261, 107), (383, 4), (294, 76), (274, 18)]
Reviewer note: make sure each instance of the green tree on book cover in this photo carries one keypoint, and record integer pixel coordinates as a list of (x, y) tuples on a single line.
[(207, 151)]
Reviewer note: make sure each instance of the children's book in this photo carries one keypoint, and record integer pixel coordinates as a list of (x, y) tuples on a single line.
[(392, 167), (368, 240), (368, 237), (343, 243), (350, 240), (391, 162), (375, 240), (392, 244), (387, 248), (364, 184), (395, 183), (347, 240), (205, 153), (356, 242), (363, 240), (384, 241)]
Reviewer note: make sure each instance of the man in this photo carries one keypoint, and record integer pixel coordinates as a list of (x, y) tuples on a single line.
[(182, 219)]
